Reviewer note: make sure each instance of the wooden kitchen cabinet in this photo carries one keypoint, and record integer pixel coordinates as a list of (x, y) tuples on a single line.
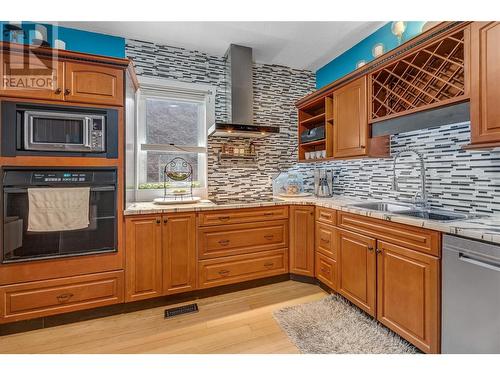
[(161, 255), (484, 87), (89, 83), (350, 120), (408, 295), (302, 240), (179, 252), (356, 266), (143, 247), (19, 79)]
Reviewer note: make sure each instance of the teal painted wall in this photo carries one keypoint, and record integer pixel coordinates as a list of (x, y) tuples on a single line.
[(76, 40), (363, 51)]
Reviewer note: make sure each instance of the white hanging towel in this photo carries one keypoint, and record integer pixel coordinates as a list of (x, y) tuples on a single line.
[(58, 209)]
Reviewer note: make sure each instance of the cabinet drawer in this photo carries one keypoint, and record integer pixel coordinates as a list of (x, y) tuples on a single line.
[(326, 215), (414, 238), (42, 298), (247, 215), (325, 240), (326, 270), (242, 238), (239, 268)]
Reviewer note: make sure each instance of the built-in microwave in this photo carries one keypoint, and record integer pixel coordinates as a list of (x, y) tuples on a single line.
[(35, 129)]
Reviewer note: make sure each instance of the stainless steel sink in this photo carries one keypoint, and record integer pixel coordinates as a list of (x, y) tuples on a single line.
[(435, 215), (384, 206), (413, 211)]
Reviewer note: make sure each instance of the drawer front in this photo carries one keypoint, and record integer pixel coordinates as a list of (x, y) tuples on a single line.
[(234, 269), (42, 298), (419, 239), (236, 239), (244, 215), (326, 215), (326, 271), (325, 240)]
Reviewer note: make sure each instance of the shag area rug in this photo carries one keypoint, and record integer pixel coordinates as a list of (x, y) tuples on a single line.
[(334, 325)]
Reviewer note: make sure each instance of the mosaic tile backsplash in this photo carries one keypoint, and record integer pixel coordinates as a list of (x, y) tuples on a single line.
[(457, 179)]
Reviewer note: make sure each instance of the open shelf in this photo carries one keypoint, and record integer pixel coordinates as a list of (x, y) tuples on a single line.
[(314, 143), (315, 120)]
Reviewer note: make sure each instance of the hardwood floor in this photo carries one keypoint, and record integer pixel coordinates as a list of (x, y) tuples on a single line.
[(239, 322)]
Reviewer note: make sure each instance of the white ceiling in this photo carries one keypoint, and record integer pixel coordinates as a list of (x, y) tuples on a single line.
[(303, 45)]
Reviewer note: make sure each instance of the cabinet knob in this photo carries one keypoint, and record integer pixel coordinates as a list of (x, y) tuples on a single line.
[(378, 251), (58, 91), (370, 248), (158, 221), (165, 221), (67, 91)]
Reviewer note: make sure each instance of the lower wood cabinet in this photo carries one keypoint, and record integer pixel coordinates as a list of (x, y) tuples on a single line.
[(160, 255), (408, 294), (238, 268), (326, 270), (357, 269), (57, 296), (302, 240)]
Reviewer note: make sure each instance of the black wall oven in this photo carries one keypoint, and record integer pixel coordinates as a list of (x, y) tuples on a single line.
[(18, 244), (55, 130)]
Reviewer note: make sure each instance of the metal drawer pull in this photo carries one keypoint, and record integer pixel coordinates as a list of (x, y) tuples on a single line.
[(268, 214), (224, 242), (224, 218), (269, 264), (324, 270), (223, 272), (325, 216), (64, 297), (325, 240), (269, 236)]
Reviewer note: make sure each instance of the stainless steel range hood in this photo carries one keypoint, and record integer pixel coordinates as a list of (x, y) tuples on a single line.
[(239, 91)]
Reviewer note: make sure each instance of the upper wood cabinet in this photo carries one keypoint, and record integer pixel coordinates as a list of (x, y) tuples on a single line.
[(143, 254), (485, 88), (408, 294), (179, 252), (19, 79), (27, 75), (302, 240), (432, 74), (356, 265), (350, 122), (88, 83)]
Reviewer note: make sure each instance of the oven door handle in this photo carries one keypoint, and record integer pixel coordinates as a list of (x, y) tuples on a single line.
[(86, 132), (24, 190)]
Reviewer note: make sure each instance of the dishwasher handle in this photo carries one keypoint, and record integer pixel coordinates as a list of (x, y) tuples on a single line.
[(479, 262)]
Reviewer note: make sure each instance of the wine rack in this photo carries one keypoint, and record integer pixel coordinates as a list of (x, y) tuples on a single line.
[(431, 76)]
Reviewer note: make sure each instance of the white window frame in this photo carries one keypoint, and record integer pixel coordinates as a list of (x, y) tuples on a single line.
[(170, 89)]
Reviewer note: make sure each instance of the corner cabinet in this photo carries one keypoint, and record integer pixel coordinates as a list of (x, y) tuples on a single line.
[(302, 240), (350, 120), (485, 90), (160, 255)]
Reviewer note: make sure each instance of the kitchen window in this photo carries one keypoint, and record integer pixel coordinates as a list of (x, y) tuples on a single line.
[(172, 119)]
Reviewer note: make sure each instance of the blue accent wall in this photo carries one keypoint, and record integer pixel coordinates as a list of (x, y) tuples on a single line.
[(76, 40), (347, 61)]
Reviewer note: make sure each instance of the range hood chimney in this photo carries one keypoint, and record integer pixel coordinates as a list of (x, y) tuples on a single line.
[(239, 92)]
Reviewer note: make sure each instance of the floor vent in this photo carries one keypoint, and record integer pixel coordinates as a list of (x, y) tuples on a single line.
[(186, 309)]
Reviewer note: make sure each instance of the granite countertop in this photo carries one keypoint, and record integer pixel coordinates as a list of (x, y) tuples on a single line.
[(482, 228)]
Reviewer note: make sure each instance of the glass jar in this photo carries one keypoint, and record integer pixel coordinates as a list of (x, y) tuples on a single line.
[(294, 184)]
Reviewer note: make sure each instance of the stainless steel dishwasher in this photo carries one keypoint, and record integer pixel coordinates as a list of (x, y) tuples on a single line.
[(471, 296)]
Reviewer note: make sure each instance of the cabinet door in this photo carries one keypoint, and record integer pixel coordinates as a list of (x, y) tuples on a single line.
[(408, 295), (29, 76), (485, 75), (302, 240), (89, 83), (143, 257), (350, 120), (356, 266), (179, 253)]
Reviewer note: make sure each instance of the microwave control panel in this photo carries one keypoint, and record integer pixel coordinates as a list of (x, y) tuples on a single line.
[(61, 177)]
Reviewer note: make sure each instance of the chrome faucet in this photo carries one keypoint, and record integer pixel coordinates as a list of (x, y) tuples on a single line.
[(423, 201)]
